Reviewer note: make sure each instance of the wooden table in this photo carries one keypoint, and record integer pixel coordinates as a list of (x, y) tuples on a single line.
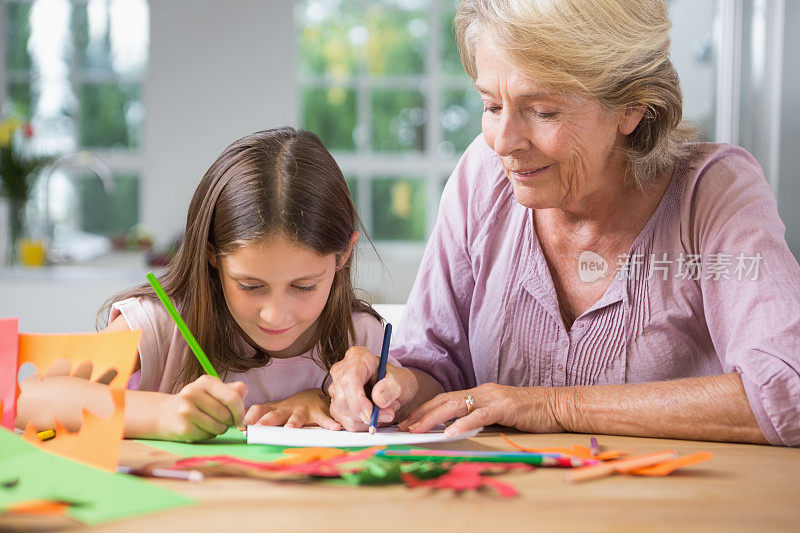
[(744, 488)]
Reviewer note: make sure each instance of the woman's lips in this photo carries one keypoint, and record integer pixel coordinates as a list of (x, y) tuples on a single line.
[(274, 331), (524, 175)]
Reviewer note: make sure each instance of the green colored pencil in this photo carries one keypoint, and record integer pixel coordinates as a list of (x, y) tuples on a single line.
[(182, 327)]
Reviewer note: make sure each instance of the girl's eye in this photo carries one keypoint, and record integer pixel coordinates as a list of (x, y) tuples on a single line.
[(248, 287), (305, 288)]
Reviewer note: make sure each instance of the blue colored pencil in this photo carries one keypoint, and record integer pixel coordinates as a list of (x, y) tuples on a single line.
[(387, 335)]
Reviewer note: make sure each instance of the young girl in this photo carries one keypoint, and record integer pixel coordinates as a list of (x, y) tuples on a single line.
[(263, 280)]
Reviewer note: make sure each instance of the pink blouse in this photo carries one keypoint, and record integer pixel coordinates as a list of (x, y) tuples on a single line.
[(709, 287)]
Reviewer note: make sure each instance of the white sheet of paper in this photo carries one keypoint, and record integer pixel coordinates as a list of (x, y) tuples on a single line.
[(325, 438)]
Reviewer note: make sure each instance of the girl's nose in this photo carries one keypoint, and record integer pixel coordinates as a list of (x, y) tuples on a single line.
[(273, 313)]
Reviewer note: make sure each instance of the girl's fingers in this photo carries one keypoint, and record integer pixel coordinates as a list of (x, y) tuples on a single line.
[(229, 397), (210, 405), (207, 423), (107, 377), (83, 370), (274, 418), (296, 420), (324, 421), (256, 412), (59, 368)]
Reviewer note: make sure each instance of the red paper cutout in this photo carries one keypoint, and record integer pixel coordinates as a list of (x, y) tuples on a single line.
[(469, 476)]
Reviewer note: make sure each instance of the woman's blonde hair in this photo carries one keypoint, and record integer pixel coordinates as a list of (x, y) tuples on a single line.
[(273, 182), (616, 51)]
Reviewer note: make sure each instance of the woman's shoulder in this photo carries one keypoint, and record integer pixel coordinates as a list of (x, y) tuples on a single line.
[(721, 182), (719, 166)]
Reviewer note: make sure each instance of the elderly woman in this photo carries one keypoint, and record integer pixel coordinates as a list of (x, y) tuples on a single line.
[(591, 270)]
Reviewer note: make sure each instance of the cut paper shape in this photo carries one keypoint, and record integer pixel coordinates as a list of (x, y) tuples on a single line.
[(297, 456), (94, 496), (9, 355), (668, 467), (321, 437), (96, 444), (98, 441), (469, 476)]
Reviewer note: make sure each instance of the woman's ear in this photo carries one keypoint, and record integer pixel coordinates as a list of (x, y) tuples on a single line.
[(631, 117), (211, 255), (342, 259)]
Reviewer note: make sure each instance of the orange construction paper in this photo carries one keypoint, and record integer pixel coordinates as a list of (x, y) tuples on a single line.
[(98, 441), (298, 456), (39, 507), (105, 350), (96, 444), (668, 467), (9, 353)]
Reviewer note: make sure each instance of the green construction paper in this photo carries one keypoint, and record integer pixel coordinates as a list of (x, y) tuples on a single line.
[(232, 443), (99, 496)]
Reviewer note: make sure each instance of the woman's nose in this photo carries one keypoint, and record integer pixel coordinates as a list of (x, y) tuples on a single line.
[(510, 135)]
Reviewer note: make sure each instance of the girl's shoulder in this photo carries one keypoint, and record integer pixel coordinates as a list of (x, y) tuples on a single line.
[(369, 332)]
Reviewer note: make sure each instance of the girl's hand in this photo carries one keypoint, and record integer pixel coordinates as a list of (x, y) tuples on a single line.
[(304, 408), (202, 409), (530, 409), (349, 377)]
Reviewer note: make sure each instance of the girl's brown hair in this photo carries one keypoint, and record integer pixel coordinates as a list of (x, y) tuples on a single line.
[(273, 182)]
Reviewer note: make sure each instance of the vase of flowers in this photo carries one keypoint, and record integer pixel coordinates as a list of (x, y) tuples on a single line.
[(18, 172)]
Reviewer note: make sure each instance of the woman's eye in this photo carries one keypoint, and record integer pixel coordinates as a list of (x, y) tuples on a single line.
[(545, 115), (305, 288), (490, 108)]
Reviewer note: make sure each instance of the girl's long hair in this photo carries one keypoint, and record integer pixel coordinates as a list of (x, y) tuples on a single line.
[(273, 182)]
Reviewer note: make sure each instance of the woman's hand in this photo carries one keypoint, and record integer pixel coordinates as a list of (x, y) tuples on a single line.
[(530, 409), (349, 377), (202, 409), (304, 408)]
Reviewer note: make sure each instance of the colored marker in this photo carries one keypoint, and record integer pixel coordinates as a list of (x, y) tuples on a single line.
[(387, 335), (182, 327), (188, 475), (538, 459)]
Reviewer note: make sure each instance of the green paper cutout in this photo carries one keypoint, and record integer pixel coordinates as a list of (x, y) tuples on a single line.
[(100, 496), (232, 443)]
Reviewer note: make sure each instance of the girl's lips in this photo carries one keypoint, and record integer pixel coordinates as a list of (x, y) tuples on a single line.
[(523, 175), (275, 331)]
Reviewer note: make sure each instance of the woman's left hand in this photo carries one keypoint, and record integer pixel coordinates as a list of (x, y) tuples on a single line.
[(530, 409), (304, 408)]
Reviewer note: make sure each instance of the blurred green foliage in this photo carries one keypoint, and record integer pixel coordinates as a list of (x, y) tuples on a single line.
[(398, 207)]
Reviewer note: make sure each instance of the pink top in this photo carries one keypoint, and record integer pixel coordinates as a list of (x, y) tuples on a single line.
[(709, 287), (162, 348)]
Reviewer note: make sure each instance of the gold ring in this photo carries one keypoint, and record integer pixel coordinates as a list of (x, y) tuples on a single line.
[(470, 402)]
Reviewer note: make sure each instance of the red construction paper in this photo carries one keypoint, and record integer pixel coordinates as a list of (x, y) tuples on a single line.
[(9, 354)]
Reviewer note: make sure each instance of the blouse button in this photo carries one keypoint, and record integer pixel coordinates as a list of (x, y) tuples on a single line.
[(564, 344), (560, 367)]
